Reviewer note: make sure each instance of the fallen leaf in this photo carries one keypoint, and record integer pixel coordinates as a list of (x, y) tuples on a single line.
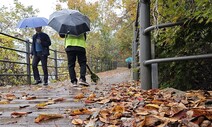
[(4, 102), (104, 120), (91, 123), (77, 122), (31, 98), (19, 114), (91, 97), (81, 111), (150, 121), (10, 96), (58, 99), (43, 117), (104, 101), (79, 96), (41, 105), (152, 106)]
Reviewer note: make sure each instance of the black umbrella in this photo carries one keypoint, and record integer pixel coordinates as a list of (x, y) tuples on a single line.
[(69, 22)]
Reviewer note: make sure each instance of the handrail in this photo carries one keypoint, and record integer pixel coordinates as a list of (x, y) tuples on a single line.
[(183, 58), (148, 29), (13, 37)]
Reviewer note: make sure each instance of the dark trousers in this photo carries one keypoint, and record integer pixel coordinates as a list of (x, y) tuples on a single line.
[(36, 59), (81, 56)]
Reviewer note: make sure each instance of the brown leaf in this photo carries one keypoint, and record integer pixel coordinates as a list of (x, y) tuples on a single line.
[(104, 114), (31, 98), (177, 108), (91, 97), (89, 101), (81, 111), (118, 108), (205, 112), (104, 120), (19, 114), (58, 99), (10, 96), (79, 96), (104, 101), (77, 122), (42, 117), (151, 121)]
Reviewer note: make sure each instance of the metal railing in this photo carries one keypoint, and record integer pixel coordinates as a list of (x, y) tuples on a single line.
[(147, 65), (57, 62)]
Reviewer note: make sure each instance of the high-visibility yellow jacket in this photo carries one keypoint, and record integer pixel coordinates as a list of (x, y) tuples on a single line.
[(75, 41)]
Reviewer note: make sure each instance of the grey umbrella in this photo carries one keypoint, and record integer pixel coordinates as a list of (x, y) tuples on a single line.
[(68, 21)]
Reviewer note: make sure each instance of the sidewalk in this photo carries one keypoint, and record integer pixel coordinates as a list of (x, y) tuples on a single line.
[(60, 90)]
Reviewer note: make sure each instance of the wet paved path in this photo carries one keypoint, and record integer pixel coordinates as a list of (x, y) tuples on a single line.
[(53, 91)]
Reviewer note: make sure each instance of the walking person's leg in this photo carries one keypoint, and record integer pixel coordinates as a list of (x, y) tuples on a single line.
[(81, 56), (45, 68), (71, 55), (35, 61)]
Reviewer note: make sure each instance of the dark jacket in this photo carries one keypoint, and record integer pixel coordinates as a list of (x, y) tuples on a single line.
[(45, 42)]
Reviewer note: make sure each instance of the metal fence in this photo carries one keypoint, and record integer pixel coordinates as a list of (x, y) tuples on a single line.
[(146, 67), (21, 64)]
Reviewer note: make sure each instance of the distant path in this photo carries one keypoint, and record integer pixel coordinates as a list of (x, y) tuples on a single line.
[(115, 76)]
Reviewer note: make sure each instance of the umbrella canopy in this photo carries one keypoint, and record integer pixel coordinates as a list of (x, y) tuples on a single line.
[(33, 22), (69, 22), (129, 59)]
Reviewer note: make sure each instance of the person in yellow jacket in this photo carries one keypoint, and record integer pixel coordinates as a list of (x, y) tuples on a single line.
[(75, 48)]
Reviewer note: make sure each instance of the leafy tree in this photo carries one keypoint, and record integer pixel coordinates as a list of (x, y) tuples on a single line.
[(192, 38)]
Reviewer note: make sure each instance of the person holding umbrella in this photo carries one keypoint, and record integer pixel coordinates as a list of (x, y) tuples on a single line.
[(73, 25), (75, 48), (40, 52), (40, 46)]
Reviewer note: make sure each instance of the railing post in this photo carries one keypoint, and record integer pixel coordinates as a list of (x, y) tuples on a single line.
[(134, 53), (55, 64), (28, 61), (145, 45)]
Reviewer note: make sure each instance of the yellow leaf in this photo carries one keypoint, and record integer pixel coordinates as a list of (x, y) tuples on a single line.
[(4, 102), (152, 106), (41, 105)]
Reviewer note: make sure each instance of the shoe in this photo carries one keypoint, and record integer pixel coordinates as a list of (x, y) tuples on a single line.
[(37, 82), (84, 83), (74, 84), (45, 84)]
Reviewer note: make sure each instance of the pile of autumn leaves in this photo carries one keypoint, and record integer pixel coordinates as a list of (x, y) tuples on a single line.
[(126, 105)]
